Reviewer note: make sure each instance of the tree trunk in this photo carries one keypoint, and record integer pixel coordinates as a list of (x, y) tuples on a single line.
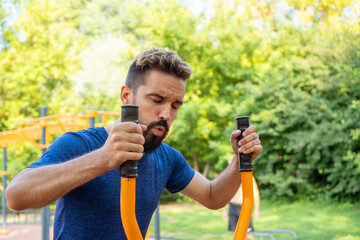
[(196, 163), (206, 169)]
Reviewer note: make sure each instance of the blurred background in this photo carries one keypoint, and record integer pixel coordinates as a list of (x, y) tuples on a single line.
[(292, 66)]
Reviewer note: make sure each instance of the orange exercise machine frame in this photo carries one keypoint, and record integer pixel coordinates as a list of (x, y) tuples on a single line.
[(242, 123), (128, 172), (247, 206), (128, 185)]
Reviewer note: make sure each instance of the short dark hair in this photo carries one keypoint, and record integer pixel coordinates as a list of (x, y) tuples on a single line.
[(159, 59)]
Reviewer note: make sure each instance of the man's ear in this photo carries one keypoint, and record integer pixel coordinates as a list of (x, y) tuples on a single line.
[(125, 95)]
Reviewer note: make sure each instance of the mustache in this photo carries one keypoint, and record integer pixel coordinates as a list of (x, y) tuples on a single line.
[(157, 123)]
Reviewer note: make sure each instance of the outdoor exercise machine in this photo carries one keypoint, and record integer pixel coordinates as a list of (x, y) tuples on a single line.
[(38, 132), (128, 173)]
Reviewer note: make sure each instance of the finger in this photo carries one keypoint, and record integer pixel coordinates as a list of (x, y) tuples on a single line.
[(248, 138), (255, 150), (143, 127), (133, 156), (129, 127), (234, 135), (249, 130), (120, 137), (248, 146), (130, 147), (136, 138), (136, 128)]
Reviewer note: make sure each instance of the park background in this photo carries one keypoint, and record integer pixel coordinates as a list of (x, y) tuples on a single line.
[(292, 66)]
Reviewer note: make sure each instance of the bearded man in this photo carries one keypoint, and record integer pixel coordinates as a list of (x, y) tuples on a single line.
[(80, 170)]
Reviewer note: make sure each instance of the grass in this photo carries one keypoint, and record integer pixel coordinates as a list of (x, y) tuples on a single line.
[(309, 220)]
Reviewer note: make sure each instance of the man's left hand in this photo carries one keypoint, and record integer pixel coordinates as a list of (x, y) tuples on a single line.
[(249, 144)]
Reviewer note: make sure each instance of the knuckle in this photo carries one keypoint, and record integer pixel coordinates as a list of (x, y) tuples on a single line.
[(117, 137), (116, 126), (133, 126), (253, 136), (130, 126), (118, 145), (119, 155)]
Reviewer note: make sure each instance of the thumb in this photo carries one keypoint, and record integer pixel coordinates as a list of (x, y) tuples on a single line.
[(143, 127)]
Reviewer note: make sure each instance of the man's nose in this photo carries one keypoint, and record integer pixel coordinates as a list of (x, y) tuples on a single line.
[(165, 113)]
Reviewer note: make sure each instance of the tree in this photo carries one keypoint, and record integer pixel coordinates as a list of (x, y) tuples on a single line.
[(40, 52), (292, 66)]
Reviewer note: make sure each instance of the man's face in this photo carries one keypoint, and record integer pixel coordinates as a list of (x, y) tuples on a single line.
[(159, 101)]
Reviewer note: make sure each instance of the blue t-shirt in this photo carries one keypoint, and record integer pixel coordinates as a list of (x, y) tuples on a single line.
[(92, 211)]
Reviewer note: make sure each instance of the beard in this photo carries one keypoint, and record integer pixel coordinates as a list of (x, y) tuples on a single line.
[(152, 141)]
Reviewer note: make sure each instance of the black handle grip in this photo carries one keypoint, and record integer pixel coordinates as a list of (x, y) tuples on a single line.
[(129, 113), (242, 123)]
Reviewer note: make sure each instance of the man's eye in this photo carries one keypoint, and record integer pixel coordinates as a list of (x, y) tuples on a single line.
[(157, 101), (174, 107)]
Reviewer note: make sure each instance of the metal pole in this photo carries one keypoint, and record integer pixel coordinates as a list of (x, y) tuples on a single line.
[(92, 118), (101, 117), (4, 187), (157, 223), (45, 211)]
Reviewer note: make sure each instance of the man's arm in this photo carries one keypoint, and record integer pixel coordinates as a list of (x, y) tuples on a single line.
[(38, 187), (217, 193)]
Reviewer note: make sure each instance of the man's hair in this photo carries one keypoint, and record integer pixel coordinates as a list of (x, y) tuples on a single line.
[(158, 59)]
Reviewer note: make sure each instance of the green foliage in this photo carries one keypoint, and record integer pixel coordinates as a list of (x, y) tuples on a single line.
[(308, 121), (292, 66), (38, 55), (203, 124)]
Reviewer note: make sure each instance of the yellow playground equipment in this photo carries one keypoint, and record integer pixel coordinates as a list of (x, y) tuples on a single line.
[(38, 132)]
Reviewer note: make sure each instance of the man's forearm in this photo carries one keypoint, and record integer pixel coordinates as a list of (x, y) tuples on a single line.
[(38, 187), (224, 187)]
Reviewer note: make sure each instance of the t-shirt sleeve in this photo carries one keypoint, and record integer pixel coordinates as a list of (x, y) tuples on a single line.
[(67, 147), (181, 175)]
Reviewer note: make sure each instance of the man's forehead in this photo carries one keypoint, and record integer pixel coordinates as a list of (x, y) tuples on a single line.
[(172, 98), (171, 89)]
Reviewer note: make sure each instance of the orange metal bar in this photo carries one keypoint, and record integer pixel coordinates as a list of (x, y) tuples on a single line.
[(45, 119), (127, 209), (247, 206), (41, 146), (107, 113)]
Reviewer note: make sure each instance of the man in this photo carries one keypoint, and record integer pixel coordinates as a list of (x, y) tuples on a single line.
[(235, 208), (81, 170)]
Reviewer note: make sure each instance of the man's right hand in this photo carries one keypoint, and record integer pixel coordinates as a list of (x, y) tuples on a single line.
[(125, 142), (37, 187)]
